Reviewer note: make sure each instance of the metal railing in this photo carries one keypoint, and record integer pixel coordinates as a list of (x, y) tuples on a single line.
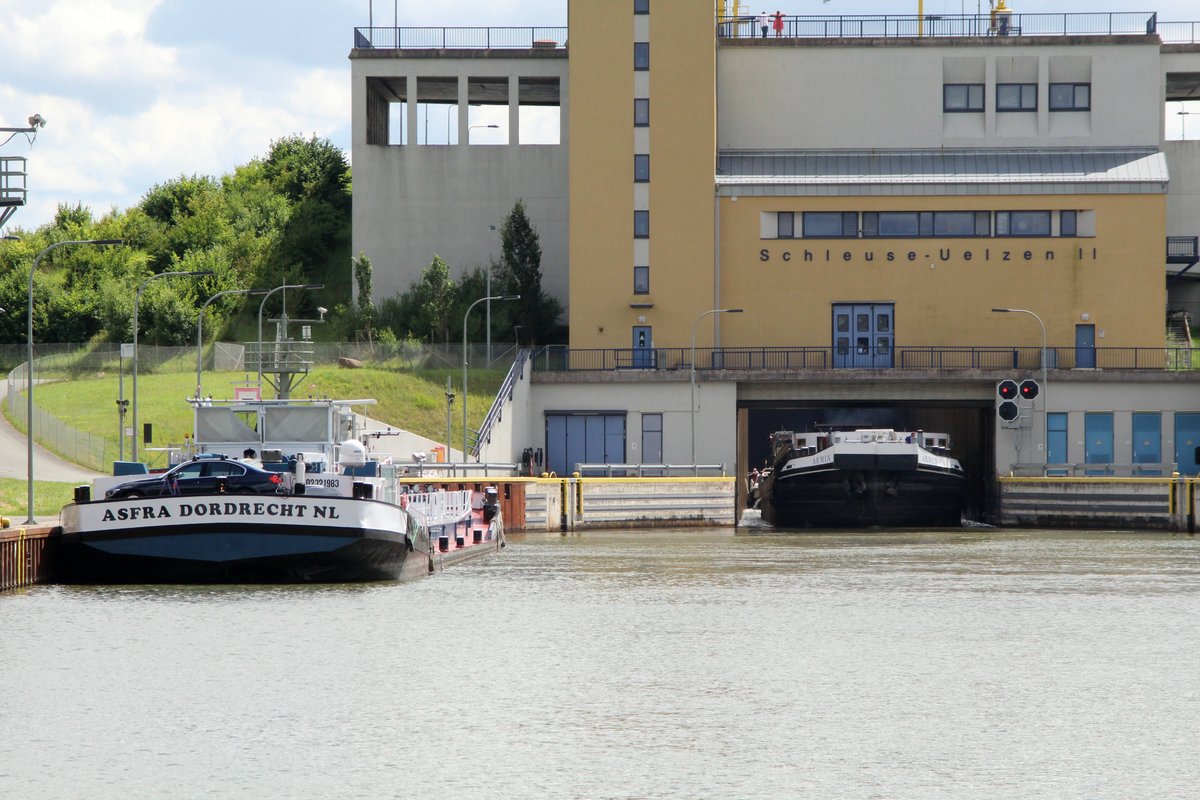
[(503, 396), (1183, 246), (1179, 32), (896, 26), (558, 358), (460, 38)]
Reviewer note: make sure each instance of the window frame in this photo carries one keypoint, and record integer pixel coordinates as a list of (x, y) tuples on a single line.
[(643, 272), (641, 224), (968, 107), (1005, 230), (790, 217), (1022, 90), (641, 6), (1075, 105), (641, 56), (641, 103), (641, 167), (848, 224)]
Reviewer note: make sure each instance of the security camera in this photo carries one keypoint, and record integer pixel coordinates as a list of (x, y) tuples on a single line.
[(322, 310), (37, 121)]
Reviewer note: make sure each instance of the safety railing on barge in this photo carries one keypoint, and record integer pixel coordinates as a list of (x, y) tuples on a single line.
[(558, 358)]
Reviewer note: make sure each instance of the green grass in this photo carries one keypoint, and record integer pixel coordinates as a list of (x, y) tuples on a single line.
[(411, 400), (48, 498)]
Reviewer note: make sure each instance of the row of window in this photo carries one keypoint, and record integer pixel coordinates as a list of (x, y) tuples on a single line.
[(965, 98), (641, 163), (925, 224)]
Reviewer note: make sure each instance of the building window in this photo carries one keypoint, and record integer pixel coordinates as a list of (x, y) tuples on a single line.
[(830, 224), (641, 113), (1016, 97), (1070, 97), (641, 55), (641, 224), (1068, 223), (962, 97), (962, 223), (641, 169), (641, 6), (1022, 223), (787, 225), (641, 280)]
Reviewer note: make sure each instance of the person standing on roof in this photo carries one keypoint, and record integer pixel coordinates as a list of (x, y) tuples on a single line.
[(777, 23), (764, 23)]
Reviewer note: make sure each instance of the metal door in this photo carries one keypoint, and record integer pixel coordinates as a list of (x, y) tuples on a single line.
[(863, 335), (643, 347), (1085, 346), (1187, 443)]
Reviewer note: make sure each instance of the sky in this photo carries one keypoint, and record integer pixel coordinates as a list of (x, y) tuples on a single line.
[(139, 92)]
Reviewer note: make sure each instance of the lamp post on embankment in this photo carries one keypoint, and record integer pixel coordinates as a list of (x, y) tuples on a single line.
[(29, 362), (200, 325), (487, 299)]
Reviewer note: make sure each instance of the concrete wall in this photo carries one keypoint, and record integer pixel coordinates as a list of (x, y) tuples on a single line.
[(414, 201), (628, 503), (1164, 393), (817, 94), (715, 417), (1183, 193)]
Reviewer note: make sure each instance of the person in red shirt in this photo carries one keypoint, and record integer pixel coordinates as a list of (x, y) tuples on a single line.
[(777, 23)]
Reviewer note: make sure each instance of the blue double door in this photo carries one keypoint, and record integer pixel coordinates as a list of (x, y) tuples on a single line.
[(864, 335)]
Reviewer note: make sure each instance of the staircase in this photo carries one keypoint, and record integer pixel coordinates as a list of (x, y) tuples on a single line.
[(1179, 340)]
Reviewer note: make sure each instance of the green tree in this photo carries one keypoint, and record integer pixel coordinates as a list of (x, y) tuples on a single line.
[(520, 272), (366, 307)]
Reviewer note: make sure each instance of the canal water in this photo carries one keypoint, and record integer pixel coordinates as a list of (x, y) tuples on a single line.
[(666, 664)]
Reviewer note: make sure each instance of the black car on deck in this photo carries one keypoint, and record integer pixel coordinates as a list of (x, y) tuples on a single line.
[(205, 476)]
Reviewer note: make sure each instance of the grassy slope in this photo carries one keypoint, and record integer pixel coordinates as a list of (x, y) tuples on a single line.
[(413, 401)]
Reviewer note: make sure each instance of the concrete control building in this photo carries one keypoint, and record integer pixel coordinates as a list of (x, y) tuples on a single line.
[(753, 234)]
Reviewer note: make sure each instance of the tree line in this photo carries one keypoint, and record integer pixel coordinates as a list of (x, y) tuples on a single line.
[(282, 218)]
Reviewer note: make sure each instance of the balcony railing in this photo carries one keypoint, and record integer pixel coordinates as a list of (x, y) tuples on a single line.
[(460, 38), (558, 358), (894, 26)]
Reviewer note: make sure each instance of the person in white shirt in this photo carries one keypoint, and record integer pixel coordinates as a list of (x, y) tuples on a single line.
[(764, 23)]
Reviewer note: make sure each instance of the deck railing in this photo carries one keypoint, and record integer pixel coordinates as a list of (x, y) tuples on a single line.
[(460, 38), (894, 26), (558, 358)]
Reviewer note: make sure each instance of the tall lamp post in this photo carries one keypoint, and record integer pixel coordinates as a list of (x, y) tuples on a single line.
[(136, 301), (200, 325), (489, 298), (1045, 378), (29, 362), (260, 313), (693, 406)]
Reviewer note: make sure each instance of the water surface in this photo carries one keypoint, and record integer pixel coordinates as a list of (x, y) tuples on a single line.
[(670, 664)]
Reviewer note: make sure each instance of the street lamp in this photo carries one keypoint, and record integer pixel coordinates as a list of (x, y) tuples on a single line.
[(200, 325), (29, 358), (473, 127), (137, 298), (489, 298), (1045, 377), (260, 313), (693, 407)]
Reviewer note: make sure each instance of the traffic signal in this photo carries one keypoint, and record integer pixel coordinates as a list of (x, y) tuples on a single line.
[(1007, 392), (1029, 389)]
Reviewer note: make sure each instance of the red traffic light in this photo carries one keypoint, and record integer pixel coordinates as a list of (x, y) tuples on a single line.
[(1029, 389), (1007, 389)]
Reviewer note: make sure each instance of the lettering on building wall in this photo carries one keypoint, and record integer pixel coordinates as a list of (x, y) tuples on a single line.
[(986, 254)]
